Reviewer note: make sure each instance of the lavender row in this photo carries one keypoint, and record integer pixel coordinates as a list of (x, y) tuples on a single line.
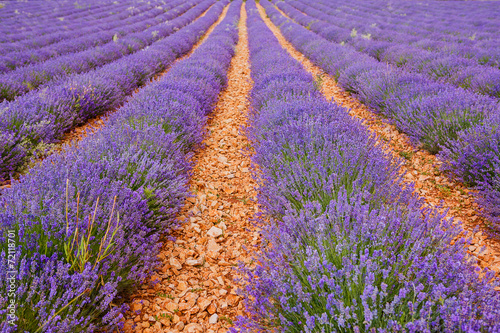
[(459, 124), (92, 37), (471, 36), (347, 248), (72, 29), (431, 20), (474, 157), (26, 26), (39, 118), (28, 78), (44, 11), (33, 16), (56, 21), (131, 178), (9, 10), (439, 66), (52, 45)]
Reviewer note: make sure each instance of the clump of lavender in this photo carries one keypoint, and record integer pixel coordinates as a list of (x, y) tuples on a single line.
[(356, 269), (474, 158)]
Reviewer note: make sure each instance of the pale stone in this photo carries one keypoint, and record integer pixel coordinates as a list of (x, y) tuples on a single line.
[(182, 285), (203, 303), (175, 264), (184, 306), (179, 326), (212, 308), (194, 262), (213, 318), (212, 246), (214, 232), (193, 328), (191, 299)]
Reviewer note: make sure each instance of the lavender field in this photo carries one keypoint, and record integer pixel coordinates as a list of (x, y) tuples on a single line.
[(249, 166)]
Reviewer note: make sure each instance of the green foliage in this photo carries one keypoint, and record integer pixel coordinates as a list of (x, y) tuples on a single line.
[(406, 154)]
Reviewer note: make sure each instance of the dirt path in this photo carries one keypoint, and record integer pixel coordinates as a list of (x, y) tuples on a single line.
[(420, 167), (196, 291)]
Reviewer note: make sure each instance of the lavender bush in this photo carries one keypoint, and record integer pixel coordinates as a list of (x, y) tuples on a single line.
[(86, 223), (475, 159)]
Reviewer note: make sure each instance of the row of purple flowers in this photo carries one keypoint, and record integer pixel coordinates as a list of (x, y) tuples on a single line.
[(96, 33), (42, 117), (87, 222), (28, 78), (438, 65), (461, 125), (435, 26), (29, 20)]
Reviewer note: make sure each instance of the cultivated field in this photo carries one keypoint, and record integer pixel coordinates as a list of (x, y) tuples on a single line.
[(249, 166)]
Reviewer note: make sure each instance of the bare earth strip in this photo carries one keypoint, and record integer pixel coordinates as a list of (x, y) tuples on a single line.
[(420, 167), (195, 289), (92, 125)]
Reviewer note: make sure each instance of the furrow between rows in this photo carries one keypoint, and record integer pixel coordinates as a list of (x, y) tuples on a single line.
[(194, 289)]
